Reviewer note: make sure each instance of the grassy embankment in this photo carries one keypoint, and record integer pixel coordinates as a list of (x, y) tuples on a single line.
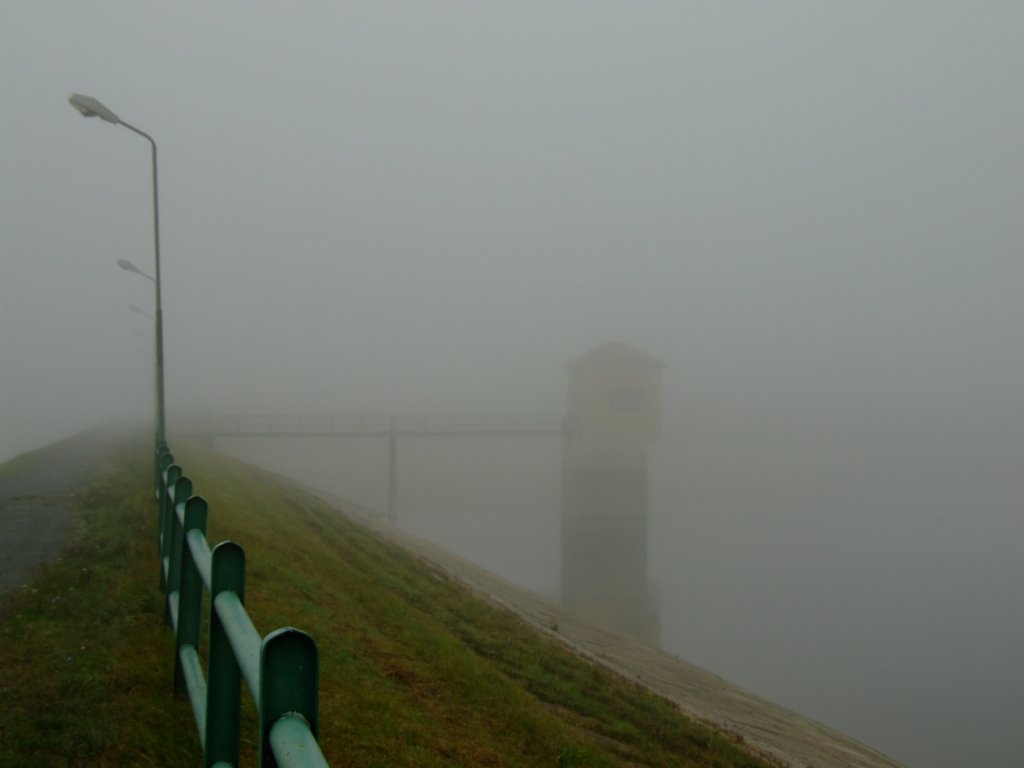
[(415, 671)]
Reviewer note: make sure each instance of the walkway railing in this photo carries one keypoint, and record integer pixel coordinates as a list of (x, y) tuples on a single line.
[(281, 670), (327, 425)]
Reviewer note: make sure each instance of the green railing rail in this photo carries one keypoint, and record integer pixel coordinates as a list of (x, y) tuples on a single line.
[(281, 670)]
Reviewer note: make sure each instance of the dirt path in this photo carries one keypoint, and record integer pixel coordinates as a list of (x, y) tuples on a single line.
[(36, 497), (800, 742)]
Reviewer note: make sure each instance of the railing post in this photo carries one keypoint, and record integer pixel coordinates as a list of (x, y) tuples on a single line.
[(224, 678), (164, 461), (180, 491), (159, 451), (289, 684), (169, 476), (162, 455), (190, 593)]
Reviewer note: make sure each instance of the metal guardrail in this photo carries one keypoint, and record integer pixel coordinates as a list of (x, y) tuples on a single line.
[(281, 669)]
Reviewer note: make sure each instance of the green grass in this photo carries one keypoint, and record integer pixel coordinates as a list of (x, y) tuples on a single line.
[(84, 654), (415, 670)]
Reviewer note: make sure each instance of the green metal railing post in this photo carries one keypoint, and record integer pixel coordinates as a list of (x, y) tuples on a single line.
[(180, 490), (171, 474), (160, 451), (164, 462), (289, 686), (224, 683), (170, 477), (190, 594)]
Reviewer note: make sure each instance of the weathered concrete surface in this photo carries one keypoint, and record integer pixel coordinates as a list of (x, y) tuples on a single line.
[(36, 497), (775, 730)]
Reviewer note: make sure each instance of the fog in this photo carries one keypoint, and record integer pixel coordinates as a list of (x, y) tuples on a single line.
[(809, 211)]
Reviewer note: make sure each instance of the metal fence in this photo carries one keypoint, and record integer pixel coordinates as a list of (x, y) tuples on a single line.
[(281, 669)]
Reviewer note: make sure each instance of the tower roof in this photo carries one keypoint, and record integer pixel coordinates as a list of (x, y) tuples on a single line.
[(615, 354)]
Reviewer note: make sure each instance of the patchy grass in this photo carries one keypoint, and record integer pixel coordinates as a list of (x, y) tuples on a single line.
[(415, 671), (84, 654)]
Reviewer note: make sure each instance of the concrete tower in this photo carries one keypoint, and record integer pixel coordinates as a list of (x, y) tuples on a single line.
[(614, 415)]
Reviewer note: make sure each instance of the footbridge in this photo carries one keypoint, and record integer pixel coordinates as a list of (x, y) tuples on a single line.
[(209, 426), (613, 415), (306, 425)]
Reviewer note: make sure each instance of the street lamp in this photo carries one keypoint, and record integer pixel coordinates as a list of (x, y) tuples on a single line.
[(90, 107), (127, 266)]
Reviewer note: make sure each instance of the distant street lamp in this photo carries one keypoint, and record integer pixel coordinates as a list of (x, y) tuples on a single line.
[(90, 107), (127, 266), (139, 311)]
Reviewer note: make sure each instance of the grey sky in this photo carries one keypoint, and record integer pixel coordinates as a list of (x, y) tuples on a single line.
[(809, 210)]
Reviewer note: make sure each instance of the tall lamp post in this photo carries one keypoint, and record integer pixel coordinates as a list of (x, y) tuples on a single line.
[(90, 107)]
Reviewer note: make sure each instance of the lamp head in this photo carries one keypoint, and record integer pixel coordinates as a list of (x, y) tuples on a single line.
[(90, 107)]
